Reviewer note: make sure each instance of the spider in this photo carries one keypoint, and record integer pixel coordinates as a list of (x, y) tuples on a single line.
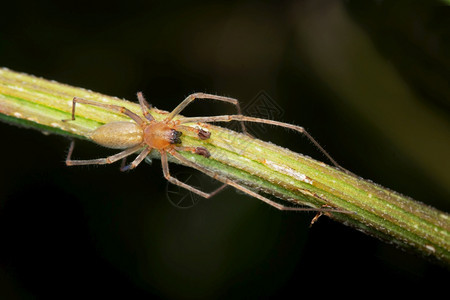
[(146, 133)]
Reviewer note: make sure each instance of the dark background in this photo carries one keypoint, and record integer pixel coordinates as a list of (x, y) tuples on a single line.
[(368, 79)]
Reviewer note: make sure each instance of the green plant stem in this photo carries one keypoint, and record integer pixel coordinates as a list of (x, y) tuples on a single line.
[(41, 104)]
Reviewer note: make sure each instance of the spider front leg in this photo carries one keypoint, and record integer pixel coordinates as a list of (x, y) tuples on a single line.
[(242, 118), (196, 150), (195, 96), (199, 132)]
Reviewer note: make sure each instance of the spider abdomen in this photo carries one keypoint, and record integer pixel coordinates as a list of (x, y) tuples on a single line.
[(118, 135)]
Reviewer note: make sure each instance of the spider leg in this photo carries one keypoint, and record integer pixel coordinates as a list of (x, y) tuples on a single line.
[(137, 160), (194, 96), (196, 150), (228, 118), (173, 180), (145, 106), (202, 134), (117, 108), (243, 188), (99, 161)]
